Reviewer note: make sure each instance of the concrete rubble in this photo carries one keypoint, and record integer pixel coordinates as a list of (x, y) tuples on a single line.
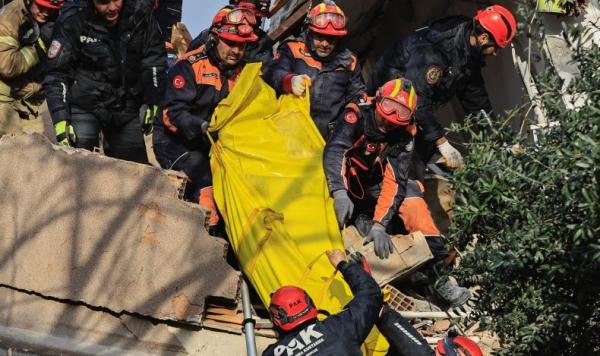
[(81, 227)]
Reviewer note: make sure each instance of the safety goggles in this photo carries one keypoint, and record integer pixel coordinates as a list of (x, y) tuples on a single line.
[(391, 107), (337, 21), (240, 15)]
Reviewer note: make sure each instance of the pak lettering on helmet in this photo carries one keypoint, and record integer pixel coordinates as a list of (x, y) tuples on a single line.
[(178, 82), (433, 75), (54, 49)]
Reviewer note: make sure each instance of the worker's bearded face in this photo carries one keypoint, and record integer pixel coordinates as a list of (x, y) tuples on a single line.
[(109, 10), (41, 14), (322, 45), (230, 53)]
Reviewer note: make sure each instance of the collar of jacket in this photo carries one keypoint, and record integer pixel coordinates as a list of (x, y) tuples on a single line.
[(453, 34)]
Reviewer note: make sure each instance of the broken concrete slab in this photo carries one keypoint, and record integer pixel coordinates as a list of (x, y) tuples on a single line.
[(80, 226), (48, 327)]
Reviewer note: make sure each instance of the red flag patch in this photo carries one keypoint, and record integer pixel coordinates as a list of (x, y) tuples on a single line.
[(351, 117), (178, 82)]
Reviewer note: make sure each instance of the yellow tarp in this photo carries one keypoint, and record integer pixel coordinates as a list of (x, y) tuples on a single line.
[(270, 187)]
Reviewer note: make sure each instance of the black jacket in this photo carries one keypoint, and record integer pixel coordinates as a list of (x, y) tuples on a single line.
[(99, 68), (196, 85), (341, 333), (441, 63), (336, 82), (358, 156)]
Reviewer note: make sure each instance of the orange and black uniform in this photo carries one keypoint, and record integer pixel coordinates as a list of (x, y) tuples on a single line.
[(372, 166), (377, 171), (196, 85), (336, 80)]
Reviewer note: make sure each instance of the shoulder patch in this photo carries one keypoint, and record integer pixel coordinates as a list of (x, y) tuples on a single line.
[(433, 75), (178, 81), (54, 49), (194, 58), (351, 117)]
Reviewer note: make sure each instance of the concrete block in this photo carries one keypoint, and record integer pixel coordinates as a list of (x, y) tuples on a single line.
[(80, 226)]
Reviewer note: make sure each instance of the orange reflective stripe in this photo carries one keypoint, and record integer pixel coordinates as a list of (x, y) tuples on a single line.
[(389, 190), (300, 51), (416, 216), (207, 74), (167, 121), (207, 200)]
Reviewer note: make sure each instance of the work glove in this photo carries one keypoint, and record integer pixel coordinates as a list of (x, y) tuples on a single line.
[(383, 245), (29, 32), (343, 206), (359, 259), (65, 134), (299, 83), (451, 155), (148, 113)]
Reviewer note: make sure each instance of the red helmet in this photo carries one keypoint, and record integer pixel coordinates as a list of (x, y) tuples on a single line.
[(458, 346), (328, 19), (235, 24), (291, 306), (50, 4), (396, 101), (499, 22)]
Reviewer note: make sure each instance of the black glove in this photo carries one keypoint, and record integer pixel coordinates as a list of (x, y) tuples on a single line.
[(359, 259), (343, 206), (383, 245), (29, 32)]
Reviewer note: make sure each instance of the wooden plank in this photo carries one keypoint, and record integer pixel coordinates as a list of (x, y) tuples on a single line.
[(284, 27)]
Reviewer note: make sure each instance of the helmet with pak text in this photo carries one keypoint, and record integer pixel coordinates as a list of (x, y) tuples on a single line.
[(291, 306)]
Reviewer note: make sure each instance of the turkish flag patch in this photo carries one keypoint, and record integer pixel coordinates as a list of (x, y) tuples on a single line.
[(178, 82), (351, 117)]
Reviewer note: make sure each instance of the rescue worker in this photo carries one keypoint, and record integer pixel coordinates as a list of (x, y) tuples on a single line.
[(295, 315), (258, 51), (196, 85), (444, 60), (25, 28), (319, 64), (107, 59), (367, 164)]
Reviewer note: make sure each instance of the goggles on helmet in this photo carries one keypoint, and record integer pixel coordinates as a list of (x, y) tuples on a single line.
[(238, 16), (391, 107), (337, 21)]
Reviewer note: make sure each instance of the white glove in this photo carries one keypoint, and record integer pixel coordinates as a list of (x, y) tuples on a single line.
[(299, 83), (451, 155)]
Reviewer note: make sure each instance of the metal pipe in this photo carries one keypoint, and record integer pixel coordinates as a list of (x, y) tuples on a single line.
[(248, 322), (432, 315)]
